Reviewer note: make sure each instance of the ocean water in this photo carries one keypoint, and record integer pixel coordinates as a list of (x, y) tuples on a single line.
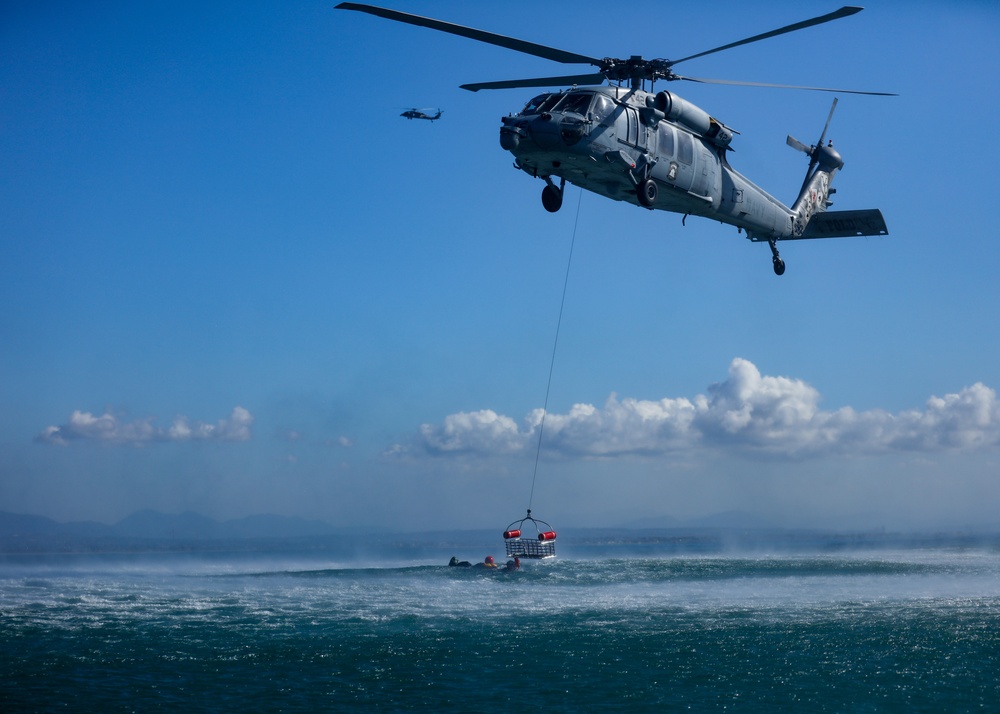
[(895, 629)]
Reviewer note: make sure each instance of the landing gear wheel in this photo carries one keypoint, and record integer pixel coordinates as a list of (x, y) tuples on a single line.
[(779, 266), (551, 199), (647, 191)]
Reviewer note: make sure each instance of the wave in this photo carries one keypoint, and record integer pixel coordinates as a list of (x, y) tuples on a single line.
[(807, 632)]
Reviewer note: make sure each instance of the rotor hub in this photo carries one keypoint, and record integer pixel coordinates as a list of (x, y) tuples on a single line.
[(636, 69)]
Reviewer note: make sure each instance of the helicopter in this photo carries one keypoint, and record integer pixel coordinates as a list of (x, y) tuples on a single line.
[(422, 114), (653, 148)]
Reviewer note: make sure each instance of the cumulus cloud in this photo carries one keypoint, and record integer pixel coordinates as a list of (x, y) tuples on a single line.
[(747, 412), (482, 431), (108, 428)]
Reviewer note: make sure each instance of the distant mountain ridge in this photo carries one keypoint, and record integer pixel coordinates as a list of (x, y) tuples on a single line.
[(153, 531), (156, 525)]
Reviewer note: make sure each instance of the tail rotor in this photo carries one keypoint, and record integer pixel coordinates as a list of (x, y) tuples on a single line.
[(812, 151)]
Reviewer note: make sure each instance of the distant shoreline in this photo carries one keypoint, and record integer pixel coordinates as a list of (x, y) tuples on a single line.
[(187, 534)]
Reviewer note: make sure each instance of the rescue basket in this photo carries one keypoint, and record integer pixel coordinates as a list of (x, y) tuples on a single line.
[(536, 540)]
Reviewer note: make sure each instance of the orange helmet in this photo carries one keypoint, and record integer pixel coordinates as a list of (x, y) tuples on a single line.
[(489, 559)]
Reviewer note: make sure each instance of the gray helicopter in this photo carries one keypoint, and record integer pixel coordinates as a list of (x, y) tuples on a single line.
[(655, 149), (422, 114)]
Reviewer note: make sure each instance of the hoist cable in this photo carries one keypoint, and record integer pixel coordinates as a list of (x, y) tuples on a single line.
[(555, 344)]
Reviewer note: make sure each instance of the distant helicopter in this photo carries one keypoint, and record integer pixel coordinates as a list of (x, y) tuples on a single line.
[(422, 114), (655, 149)]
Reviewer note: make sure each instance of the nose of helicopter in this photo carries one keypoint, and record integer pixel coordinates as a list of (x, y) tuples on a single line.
[(510, 135), (544, 130)]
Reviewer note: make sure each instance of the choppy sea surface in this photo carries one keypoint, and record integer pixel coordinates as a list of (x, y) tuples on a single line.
[(873, 629)]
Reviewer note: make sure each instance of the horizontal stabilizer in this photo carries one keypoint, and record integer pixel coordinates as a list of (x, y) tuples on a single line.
[(845, 224)]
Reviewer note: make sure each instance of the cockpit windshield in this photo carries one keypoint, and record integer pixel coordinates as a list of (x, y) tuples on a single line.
[(541, 103), (575, 102), (570, 102)]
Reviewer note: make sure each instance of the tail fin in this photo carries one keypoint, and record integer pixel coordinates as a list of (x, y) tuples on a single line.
[(812, 220), (814, 197), (824, 162)]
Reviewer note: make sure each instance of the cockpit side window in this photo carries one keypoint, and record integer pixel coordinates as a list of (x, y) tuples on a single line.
[(603, 106)]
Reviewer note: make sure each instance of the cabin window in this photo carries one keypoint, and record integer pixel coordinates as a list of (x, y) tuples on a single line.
[(666, 140), (685, 148)]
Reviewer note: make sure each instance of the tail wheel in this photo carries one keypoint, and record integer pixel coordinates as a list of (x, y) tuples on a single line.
[(552, 198), (779, 266), (647, 192)]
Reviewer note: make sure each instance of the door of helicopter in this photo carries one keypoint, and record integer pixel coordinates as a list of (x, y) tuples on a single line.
[(707, 180), (635, 134)]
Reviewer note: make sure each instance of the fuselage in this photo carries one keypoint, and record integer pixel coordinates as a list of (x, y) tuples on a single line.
[(611, 139)]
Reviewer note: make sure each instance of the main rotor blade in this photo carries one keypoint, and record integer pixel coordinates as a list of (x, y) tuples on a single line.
[(510, 43), (578, 79), (702, 80), (836, 15)]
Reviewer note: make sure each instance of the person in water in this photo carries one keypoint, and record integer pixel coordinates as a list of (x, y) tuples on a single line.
[(487, 563)]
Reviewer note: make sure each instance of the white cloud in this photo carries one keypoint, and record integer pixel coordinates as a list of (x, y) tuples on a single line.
[(477, 432), (108, 428), (747, 412)]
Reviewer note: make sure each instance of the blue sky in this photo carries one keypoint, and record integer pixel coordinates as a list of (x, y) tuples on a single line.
[(235, 281)]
